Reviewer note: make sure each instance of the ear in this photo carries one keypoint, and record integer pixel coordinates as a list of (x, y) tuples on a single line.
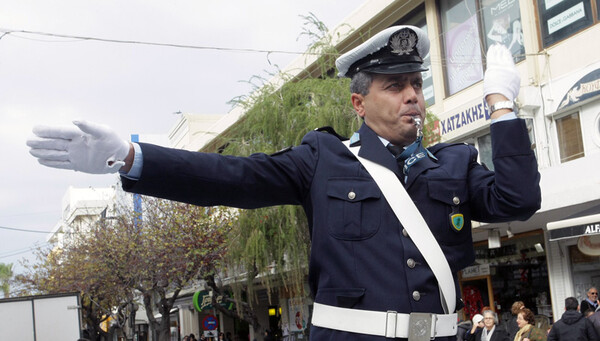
[(358, 104)]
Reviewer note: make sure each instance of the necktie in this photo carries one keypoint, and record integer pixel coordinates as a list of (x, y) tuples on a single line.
[(409, 156)]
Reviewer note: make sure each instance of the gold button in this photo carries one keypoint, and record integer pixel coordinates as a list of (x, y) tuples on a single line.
[(351, 195), (456, 200)]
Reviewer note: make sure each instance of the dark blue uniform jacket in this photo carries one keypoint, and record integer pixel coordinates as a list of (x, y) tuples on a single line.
[(360, 257)]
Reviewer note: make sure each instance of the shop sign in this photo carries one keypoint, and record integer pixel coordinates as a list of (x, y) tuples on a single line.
[(465, 118), (587, 87), (476, 271), (576, 231), (202, 300)]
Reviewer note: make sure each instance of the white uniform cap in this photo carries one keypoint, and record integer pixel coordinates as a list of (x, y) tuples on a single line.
[(397, 49)]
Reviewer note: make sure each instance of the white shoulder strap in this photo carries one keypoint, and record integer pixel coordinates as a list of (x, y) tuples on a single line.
[(415, 225)]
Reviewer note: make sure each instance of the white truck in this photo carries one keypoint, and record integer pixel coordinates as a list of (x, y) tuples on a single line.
[(41, 318)]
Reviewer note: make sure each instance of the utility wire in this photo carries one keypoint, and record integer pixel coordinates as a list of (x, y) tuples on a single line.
[(106, 40), (23, 230)]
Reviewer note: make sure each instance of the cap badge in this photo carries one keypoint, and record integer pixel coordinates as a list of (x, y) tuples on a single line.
[(403, 42)]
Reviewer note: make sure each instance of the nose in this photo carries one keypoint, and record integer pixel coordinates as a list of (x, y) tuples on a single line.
[(410, 94)]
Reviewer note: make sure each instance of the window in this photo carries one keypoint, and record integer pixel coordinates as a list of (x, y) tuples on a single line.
[(484, 144), (462, 48), (465, 45), (570, 141), (560, 19), (417, 18), (531, 132), (502, 24)]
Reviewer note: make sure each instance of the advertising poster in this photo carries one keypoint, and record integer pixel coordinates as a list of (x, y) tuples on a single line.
[(502, 20), (463, 55), (298, 314)]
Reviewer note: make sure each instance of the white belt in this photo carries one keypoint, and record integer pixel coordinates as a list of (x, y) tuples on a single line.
[(389, 324)]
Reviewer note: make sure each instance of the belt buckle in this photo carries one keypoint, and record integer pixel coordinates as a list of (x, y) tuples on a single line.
[(391, 322), (421, 327)]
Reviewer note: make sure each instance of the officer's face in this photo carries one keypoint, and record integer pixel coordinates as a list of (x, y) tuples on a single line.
[(391, 103)]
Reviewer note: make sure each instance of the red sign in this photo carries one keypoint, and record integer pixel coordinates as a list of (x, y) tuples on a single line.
[(210, 322)]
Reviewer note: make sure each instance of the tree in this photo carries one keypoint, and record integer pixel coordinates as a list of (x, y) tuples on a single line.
[(6, 274), (122, 257)]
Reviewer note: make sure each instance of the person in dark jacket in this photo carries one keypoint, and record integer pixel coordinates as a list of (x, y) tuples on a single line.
[(591, 302), (370, 274), (572, 325), (490, 331)]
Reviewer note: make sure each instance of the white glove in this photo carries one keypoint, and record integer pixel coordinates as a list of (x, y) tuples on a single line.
[(501, 75), (90, 148)]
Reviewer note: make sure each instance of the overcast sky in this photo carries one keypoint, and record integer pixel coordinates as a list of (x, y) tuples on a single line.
[(133, 88)]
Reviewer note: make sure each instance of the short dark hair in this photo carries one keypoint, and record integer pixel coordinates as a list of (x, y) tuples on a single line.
[(360, 83), (571, 303)]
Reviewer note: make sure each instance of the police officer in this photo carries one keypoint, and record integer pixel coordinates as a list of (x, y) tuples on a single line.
[(368, 277)]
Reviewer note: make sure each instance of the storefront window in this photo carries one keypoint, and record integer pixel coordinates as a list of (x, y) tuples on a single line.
[(585, 270), (570, 141), (560, 19), (502, 22), (516, 271), (462, 47), (484, 146)]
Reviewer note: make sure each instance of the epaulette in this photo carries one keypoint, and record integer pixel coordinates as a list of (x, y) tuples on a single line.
[(439, 146), (331, 131), (284, 150)]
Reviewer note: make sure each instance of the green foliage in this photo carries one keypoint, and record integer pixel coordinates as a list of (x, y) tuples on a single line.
[(6, 274)]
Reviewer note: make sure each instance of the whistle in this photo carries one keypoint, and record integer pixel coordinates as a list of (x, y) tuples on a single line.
[(417, 121)]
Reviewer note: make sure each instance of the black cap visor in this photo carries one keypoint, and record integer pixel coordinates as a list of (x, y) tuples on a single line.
[(391, 69)]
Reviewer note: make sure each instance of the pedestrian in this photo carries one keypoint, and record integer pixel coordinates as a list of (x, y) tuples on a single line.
[(477, 325), (591, 302), (192, 337), (389, 229), (489, 331), (527, 329), (572, 326), (595, 319), (186, 338), (511, 326)]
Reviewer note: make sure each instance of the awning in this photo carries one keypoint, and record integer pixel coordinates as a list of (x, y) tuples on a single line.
[(583, 225), (569, 228)]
